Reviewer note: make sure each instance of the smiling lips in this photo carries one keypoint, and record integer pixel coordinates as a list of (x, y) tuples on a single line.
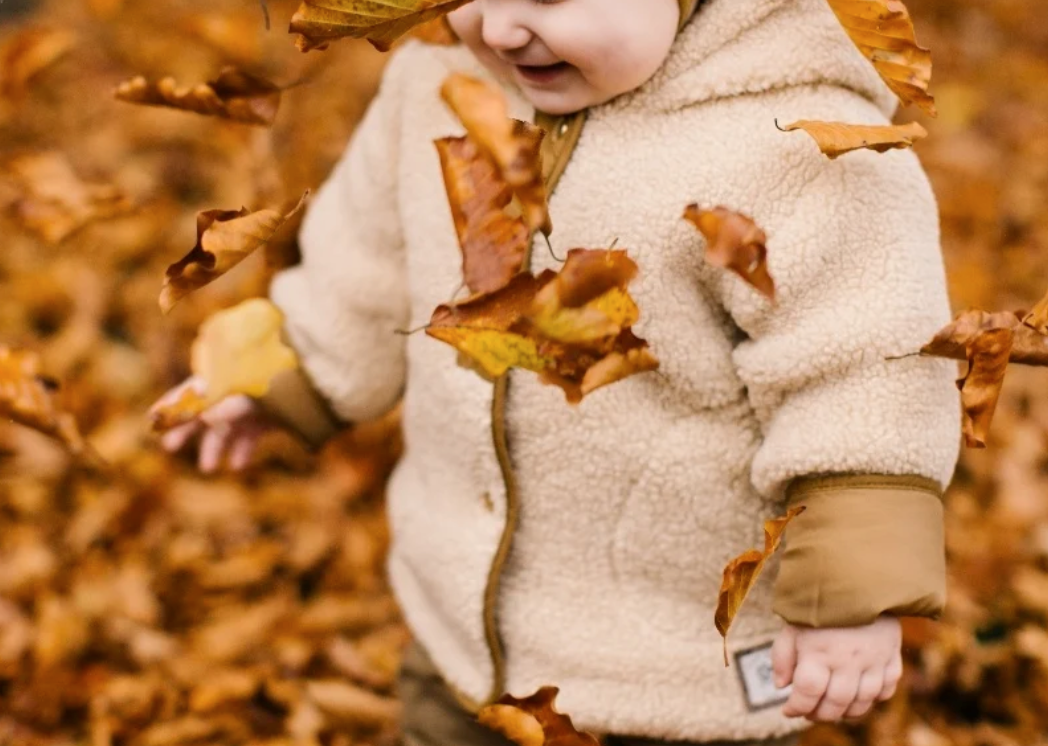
[(542, 73)]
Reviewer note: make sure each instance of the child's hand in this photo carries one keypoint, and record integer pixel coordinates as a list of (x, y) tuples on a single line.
[(232, 426), (838, 672)]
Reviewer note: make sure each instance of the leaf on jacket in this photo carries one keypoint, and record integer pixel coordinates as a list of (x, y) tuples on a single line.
[(529, 324), (735, 242), (224, 239), (742, 573), (514, 146), (320, 22), (29, 53), (52, 201), (234, 95), (533, 721), (493, 242), (237, 351), (27, 397), (883, 31), (1029, 348), (837, 138), (437, 32)]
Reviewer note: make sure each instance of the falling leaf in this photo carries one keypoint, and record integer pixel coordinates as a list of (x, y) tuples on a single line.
[(883, 31), (53, 202), (742, 573), (513, 145), (29, 53), (837, 138), (494, 244), (528, 324), (234, 95), (981, 386), (534, 721), (953, 341), (224, 239), (27, 397), (381, 22), (735, 242)]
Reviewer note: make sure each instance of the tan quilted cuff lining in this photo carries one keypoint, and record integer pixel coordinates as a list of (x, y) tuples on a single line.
[(866, 545), (295, 402)]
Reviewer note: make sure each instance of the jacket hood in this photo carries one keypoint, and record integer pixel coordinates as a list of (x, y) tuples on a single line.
[(736, 47)]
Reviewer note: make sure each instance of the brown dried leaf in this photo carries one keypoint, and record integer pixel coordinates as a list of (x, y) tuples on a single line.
[(235, 95), (319, 22), (514, 146), (1037, 319), (493, 243), (28, 53), (742, 573), (53, 201), (534, 721), (27, 397), (224, 239), (1029, 347), (349, 705), (837, 138), (981, 387), (883, 31), (735, 242)]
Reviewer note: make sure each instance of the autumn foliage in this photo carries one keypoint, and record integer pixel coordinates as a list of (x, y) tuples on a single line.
[(143, 604)]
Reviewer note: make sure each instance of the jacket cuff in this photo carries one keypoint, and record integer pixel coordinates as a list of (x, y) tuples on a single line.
[(865, 546), (294, 401)]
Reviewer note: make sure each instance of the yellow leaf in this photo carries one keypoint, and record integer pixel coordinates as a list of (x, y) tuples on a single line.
[(837, 138), (239, 350)]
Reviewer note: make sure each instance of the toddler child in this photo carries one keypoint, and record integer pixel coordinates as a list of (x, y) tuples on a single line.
[(537, 543)]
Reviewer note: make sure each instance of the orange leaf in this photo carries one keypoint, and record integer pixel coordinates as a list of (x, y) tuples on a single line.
[(953, 341), (837, 138), (319, 22), (883, 31), (534, 721), (27, 397), (234, 95), (493, 243), (53, 201), (224, 239), (438, 32), (29, 53), (513, 145), (1037, 319), (735, 242), (742, 573)]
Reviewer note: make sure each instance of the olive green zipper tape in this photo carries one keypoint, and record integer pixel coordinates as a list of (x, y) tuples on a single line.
[(562, 134)]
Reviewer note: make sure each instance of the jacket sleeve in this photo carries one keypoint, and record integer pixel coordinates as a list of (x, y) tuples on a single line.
[(347, 298), (864, 441)]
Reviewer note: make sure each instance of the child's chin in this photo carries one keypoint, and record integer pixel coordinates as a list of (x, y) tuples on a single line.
[(557, 103)]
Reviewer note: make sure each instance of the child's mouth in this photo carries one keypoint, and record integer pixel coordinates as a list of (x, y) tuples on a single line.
[(542, 73)]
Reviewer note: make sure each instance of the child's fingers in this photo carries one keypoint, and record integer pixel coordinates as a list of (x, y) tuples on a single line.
[(784, 656), (228, 409), (810, 680), (840, 694), (176, 437), (212, 447), (242, 448), (892, 675), (871, 683)]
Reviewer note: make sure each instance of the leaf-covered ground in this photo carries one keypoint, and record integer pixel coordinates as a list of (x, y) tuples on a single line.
[(141, 603)]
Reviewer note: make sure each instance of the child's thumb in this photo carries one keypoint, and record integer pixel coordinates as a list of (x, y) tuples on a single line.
[(784, 656)]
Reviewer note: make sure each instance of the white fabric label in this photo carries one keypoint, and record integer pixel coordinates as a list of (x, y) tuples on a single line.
[(758, 678)]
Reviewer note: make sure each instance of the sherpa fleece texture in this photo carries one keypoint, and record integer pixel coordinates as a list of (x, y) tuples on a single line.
[(633, 501)]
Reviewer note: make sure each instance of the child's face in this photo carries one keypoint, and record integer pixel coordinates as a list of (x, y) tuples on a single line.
[(566, 55)]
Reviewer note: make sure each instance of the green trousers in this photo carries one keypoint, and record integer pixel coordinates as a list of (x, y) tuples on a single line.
[(434, 717)]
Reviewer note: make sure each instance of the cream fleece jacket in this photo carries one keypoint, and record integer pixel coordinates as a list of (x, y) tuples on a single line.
[(632, 502)]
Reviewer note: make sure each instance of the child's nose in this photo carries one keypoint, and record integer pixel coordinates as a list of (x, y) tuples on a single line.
[(502, 28)]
